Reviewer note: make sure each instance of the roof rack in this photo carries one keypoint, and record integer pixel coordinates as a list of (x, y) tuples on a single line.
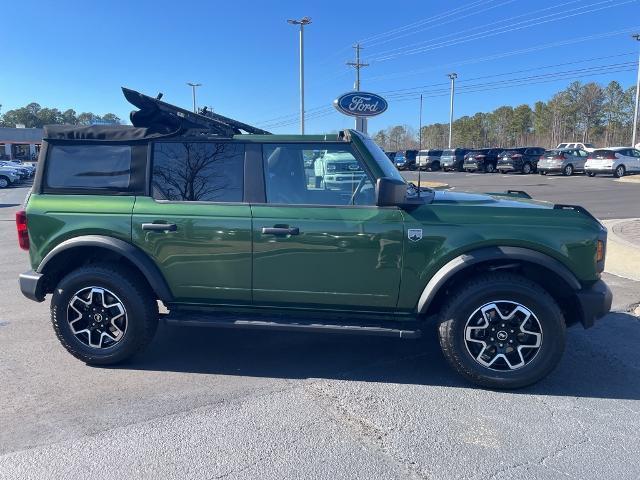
[(166, 118)]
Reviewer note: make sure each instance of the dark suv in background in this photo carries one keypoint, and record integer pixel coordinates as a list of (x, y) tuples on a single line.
[(453, 159), (523, 159), (482, 159)]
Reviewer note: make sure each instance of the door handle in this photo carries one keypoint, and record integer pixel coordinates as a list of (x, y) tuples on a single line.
[(160, 227), (280, 231)]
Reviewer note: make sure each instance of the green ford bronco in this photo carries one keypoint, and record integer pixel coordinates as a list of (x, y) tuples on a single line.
[(229, 226)]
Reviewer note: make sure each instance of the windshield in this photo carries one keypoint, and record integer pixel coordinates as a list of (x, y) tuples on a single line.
[(563, 145), (388, 169), (588, 145)]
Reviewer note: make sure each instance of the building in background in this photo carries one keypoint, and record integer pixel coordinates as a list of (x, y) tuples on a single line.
[(20, 143)]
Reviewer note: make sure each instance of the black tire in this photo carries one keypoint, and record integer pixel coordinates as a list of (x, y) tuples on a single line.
[(543, 172), (435, 166), (489, 168), (527, 168), (568, 170), (591, 174), (4, 182), (130, 289), (497, 287), (619, 172)]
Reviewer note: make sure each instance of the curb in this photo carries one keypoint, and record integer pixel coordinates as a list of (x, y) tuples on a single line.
[(434, 185), (630, 179)]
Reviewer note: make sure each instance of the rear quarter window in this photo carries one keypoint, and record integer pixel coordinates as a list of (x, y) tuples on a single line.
[(89, 167)]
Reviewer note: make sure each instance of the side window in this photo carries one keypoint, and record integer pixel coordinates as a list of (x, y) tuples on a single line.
[(305, 174), (89, 167), (198, 171)]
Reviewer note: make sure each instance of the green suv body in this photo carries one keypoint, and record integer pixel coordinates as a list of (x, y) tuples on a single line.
[(239, 232)]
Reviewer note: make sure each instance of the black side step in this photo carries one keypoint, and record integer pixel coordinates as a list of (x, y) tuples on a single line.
[(200, 319)]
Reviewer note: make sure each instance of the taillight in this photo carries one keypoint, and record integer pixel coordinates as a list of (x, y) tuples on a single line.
[(23, 233)]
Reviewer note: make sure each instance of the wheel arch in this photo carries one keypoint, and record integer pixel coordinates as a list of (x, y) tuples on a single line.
[(70, 253), (550, 273)]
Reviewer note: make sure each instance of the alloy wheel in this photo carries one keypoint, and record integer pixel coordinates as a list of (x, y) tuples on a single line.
[(97, 317), (526, 168), (568, 170), (503, 335), (3, 183)]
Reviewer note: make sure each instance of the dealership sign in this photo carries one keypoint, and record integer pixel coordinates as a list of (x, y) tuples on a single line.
[(360, 104)]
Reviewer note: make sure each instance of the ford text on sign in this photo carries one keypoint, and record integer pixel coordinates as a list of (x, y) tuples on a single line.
[(360, 104)]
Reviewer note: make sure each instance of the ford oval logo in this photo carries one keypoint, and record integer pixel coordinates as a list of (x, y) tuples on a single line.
[(360, 104)]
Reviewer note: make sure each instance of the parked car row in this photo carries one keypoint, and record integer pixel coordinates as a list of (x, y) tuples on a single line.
[(566, 159), (13, 171)]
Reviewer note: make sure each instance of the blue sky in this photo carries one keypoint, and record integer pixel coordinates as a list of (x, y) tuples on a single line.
[(73, 54)]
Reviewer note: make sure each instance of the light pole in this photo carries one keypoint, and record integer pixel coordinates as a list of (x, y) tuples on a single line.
[(635, 112), (302, 22), (453, 77), (193, 91)]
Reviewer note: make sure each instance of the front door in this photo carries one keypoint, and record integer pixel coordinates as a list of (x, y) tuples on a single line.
[(194, 225), (319, 240)]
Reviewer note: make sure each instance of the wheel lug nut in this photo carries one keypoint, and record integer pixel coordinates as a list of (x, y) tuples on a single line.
[(511, 331), (492, 339), (501, 345), (503, 325)]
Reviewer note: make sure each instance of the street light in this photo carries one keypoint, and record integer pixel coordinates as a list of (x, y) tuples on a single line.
[(635, 112), (193, 91), (302, 22), (453, 77)]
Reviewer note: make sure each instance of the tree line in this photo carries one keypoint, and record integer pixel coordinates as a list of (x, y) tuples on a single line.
[(35, 116), (588, 112)]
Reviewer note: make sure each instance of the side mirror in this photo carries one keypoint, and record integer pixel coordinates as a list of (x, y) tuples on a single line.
[(390, 192)]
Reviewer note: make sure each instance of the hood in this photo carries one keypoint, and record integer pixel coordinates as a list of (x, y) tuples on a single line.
[(484, 199)]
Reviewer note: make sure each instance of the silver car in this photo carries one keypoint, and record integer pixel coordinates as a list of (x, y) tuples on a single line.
[(563, 160), (428, 159)]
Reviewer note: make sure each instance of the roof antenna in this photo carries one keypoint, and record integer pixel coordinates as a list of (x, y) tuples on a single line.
[(159, 96)]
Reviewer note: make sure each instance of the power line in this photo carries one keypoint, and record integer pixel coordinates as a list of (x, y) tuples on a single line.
[(389, 56)]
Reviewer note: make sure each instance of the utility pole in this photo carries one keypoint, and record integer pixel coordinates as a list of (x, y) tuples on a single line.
[(302, 22), (453, 77), (635, 112), (360, 122), (419, 144), (193, 92)]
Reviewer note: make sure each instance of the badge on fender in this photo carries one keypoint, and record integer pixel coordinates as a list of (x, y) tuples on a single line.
[(414, 234)]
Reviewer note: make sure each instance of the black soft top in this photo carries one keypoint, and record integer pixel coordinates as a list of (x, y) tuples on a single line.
[(100, 133)]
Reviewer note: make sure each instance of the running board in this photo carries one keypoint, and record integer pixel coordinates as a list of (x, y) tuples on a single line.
[(200, 319)]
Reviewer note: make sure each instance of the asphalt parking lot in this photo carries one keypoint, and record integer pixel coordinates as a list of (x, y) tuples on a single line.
[(604, 196), (204, 403)]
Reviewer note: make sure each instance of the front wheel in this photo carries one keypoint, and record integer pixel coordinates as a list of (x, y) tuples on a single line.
[(4, 182), (527, 168), (568, 170), (489, 168), (502, 331), (103, 315)]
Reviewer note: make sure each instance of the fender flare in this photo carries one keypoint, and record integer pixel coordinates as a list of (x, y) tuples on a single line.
[(492, 253), (132, 253)]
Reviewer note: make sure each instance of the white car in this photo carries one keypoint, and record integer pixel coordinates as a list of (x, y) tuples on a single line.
[(338, 171), (616, 160), (589, 147), (8, 176)]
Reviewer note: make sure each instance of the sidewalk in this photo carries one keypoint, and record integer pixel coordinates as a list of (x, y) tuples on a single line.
[(623, 248)]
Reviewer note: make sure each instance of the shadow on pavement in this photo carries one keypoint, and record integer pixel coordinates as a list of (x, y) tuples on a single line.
[(7, 205), (591, 367)]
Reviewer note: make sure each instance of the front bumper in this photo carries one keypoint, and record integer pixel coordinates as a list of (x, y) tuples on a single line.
[(32, 285), (595, 302)]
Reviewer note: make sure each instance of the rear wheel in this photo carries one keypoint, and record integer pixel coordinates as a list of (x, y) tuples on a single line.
[(527, 168), (103, 315), (543, 172), (619, 171), (502, 331), (568, 170), (591, 174), (4, 182), (489, 168)]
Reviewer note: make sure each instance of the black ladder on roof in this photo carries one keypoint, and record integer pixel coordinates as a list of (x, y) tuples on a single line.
[(164, 117)]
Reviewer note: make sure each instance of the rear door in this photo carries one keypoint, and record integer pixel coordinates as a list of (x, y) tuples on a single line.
[(323, 242), (194, 223)]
